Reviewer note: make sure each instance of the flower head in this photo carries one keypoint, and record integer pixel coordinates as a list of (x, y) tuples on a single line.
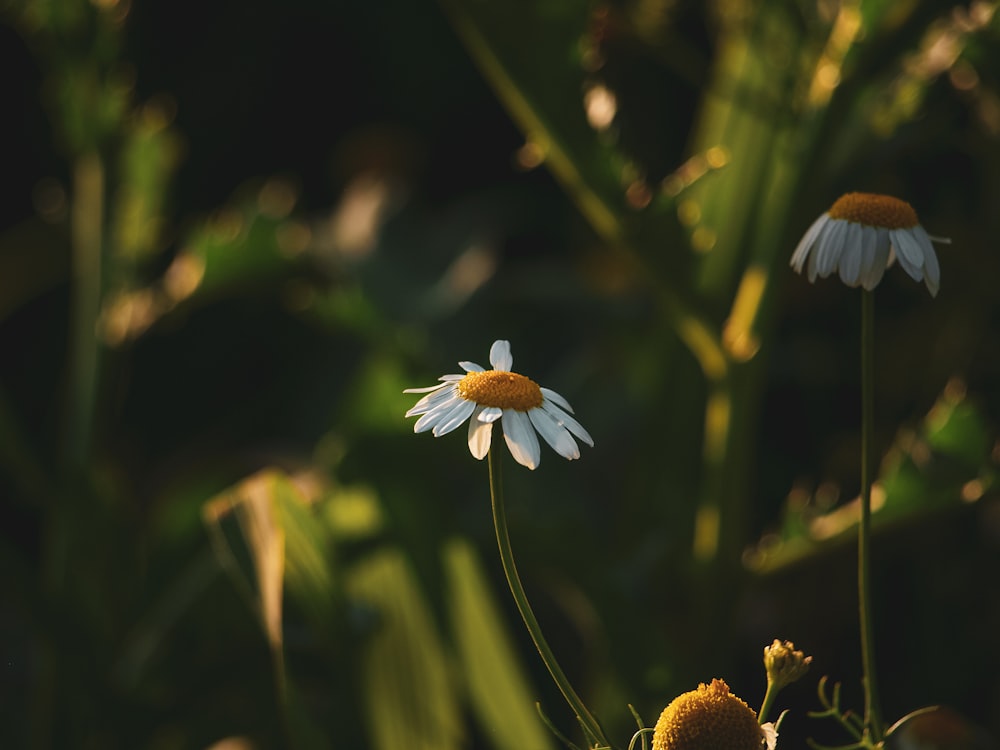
[(711, 718), (863, 234), (484, 396)]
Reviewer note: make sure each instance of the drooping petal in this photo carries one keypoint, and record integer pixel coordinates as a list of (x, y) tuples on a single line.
[(802, 249), (932, 271), (480, 435), (500, 356), (431, 400), (908, 253), (568, 422), (455, 417), (428, 389), (831, 245), (884, 256), (471, 367), (554, 433), (850, 259), (440, 411), (811, 264), (520, 437), (871, 270), (557, 399)]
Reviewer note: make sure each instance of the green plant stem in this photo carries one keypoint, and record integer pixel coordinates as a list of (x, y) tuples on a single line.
[(595, 734), (769, 695), (873, 720), (87, 236)]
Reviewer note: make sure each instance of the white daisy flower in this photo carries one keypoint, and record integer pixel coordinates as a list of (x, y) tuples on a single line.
[(484, 396), (863, 234)]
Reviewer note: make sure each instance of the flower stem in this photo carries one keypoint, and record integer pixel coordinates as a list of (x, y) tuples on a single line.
[(592, 728), (769, 696), (873, 720)]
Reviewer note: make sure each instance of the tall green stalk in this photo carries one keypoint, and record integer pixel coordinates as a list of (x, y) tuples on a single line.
[(592, 728), (873, 719), (88, 240)]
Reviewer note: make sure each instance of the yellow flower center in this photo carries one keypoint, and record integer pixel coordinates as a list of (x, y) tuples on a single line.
[(506, 390), (709, 718), (874, 210)]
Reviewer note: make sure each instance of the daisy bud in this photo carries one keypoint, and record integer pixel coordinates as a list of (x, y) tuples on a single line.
[(783, 664)]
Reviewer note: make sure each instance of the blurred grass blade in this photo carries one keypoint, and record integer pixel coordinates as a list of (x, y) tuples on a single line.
[(276, 538), (147, 162), (501, 695), (310, 572), (531, 58), (408, 692), (252, 504)]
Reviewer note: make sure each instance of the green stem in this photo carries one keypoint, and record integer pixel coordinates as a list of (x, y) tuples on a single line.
[(87, 235), (595, 734), (769, 696), (873, 720)]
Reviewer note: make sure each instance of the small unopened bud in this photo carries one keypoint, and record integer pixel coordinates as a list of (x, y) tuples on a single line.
[(783, 664)]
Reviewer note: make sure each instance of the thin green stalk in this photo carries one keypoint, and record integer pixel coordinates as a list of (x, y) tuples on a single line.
[(595, 734), (873, 719), (88, 238), (769, 696)]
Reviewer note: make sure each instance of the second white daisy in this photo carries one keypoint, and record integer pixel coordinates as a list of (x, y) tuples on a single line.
[(861, 236), (485, 396)]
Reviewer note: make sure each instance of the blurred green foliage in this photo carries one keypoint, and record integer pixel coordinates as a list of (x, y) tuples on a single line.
[(233, 235)]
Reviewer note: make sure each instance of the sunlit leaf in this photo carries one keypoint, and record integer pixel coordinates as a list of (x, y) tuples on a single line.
[(410, 699), (149, 156), (501, 694), (253, 504), (943, 465)]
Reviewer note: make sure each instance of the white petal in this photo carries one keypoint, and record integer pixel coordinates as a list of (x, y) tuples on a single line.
[(908, 253), (568, 422), (471, 367), (521, 439), (802, 249), (554, 433), (480, 436), (932, 271), (831, 247), (770, 735), (443, 406), (431, 400), (850, 260), (871, 269), (884, 256), (500, 356), (811, 265), (428, 389), (489, 414), (436, 414), (455, 417), (451, 378), (556, 398)]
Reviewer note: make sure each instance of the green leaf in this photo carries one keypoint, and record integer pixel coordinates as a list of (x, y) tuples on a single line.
[(410, 699), (502, 697), (936, 468)]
